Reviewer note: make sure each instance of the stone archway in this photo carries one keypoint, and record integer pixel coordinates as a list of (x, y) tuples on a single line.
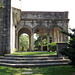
[(40, 22), (23, 30), (17, 19), (56, 34), (41, 30)]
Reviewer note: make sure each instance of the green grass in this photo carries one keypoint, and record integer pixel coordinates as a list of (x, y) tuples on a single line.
[(34, 53), (51, 70)]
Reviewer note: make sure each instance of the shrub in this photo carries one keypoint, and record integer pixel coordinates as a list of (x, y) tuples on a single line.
[(45, 47), (70, 51), (52, 46), (37, 48)]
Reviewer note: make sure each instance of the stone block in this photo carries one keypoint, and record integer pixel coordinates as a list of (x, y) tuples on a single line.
[(60, 46)]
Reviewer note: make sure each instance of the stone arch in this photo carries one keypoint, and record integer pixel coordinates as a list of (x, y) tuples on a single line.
[(41, 30), (19, 31), (55, 26), (24, 30), (55, 33), (20, 27), (40, 26)]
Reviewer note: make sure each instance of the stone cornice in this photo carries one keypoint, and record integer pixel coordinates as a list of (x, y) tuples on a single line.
[(44, 15)]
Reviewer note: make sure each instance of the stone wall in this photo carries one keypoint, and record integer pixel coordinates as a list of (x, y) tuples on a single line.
[(30, 20), (44, 15), (60, 46), (1, 29), (5, 27)]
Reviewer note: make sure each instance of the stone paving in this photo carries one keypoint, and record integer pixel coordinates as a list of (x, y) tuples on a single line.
[(28, 71)]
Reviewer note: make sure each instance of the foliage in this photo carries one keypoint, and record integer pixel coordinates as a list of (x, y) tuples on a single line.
[(50, 70), (23, 42), (21, 49), (1, 4), (52, 46), (15, 50), (45, 47), (38, 42), (34, 53), (70, 51)]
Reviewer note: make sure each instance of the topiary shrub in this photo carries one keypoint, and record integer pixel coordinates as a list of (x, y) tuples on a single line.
[(52, 46)]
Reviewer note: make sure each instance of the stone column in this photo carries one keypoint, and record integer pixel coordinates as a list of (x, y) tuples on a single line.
[(53, 35), (29, 42), (61, 38), (32, 41), (16, 43), (58, 36), (47, 42), (41, 42)]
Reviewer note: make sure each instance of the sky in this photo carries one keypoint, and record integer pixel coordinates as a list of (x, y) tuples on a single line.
[(51, 5)]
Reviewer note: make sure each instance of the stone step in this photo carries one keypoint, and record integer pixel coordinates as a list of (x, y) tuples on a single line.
[(33, 65), (32, 58), (30, 55), (30, 62)]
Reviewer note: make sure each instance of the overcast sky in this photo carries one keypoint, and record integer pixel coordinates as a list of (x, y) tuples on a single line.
[(51, 5)]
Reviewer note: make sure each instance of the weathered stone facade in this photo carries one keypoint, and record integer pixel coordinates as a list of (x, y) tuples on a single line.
[(50, 23), (5, 27), (14, 22)]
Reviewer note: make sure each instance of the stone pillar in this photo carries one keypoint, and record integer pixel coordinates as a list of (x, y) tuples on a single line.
[(47, 42), (41, 43), (61, 38), (58, 36), (29, 42), (53, 35), (17, 43), (32, 41), (60, 46)]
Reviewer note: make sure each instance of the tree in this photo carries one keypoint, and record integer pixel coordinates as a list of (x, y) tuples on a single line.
[(38, 41), (70, 51), (24, 42)]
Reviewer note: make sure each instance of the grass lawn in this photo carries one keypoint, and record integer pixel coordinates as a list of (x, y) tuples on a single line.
[(51, 70), (34, 53)]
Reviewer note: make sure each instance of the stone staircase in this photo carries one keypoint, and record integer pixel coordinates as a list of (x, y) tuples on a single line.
[(32, 61)]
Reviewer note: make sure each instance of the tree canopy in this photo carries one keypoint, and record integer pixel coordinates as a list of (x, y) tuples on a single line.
[(24, 41)]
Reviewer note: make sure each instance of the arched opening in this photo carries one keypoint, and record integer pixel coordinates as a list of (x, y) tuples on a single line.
[(56, 34), (57, 37), (24, 42), (24, 33), (41, 41)]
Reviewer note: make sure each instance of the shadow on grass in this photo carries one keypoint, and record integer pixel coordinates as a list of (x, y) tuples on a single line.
[(51, 70), (9, 71)]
